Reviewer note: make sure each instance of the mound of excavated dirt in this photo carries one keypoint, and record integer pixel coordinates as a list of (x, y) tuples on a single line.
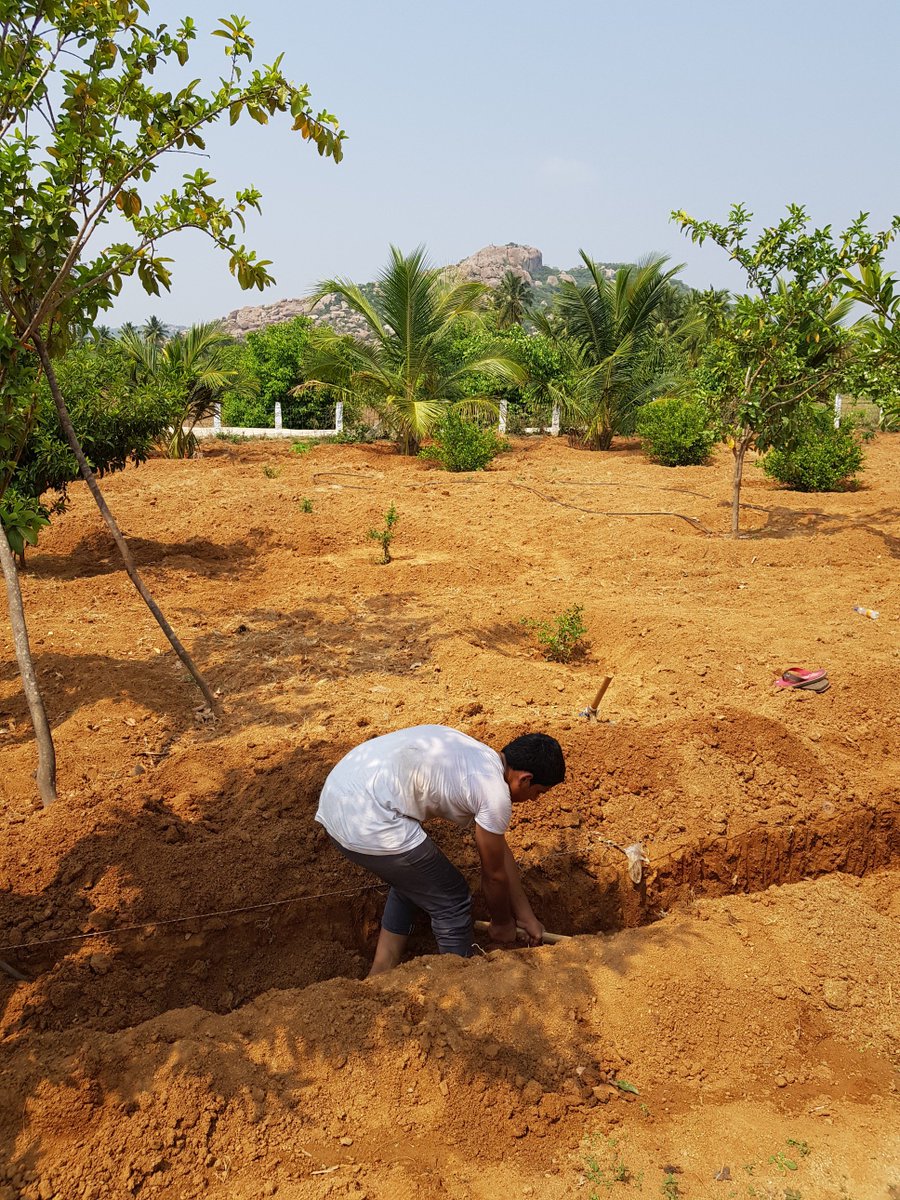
[(747, 988), (749, 1027)]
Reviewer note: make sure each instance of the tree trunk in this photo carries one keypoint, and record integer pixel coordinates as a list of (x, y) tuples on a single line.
[(91, 480), (741, 445), (46, 771)]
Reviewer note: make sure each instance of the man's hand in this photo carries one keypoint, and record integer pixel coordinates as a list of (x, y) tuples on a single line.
[(506, 934), (532, 928)]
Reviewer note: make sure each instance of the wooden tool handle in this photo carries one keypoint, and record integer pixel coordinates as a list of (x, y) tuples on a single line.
[(549, 939), (601, 691)]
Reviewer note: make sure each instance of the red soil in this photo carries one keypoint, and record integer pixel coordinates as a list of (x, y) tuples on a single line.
[(752, 990)]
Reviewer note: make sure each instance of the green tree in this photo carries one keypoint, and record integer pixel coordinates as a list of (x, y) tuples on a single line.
[(873, 372), (512, 299), (538, 355), (117, 422), (787, 343), (154, 330), (678, 335), (276, 359), (194, 369), (714, 306), (85, 74), (403, 365), (609, 325)]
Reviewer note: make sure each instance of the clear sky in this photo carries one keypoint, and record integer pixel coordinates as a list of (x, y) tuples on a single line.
[(564, 125)]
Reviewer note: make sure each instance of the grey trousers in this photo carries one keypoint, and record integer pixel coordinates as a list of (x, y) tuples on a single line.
[(423, 879)]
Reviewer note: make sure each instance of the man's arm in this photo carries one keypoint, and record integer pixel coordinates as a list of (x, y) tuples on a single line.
[(502, 889), (522, 910), (492, 851)]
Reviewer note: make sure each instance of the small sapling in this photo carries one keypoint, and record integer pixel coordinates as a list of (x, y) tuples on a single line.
[(385, 536), (559, 637)]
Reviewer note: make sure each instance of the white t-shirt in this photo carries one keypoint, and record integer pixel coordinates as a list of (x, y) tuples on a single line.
[(377, 796)]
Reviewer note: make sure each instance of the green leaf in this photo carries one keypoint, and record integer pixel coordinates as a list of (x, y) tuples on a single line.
[(624, 1086)]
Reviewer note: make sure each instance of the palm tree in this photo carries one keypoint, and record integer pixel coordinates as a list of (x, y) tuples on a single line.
[(194, 366), (609, 324), (513, 298), (154, 330), (677, 337), (404, 364)]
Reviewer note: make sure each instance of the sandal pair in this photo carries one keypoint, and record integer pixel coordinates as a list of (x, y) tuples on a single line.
[(800, 677)]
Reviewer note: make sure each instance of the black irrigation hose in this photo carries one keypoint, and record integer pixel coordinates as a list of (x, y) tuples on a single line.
[(562, 503), (353, 474), (222, 912), (647, 487), (599, 512)]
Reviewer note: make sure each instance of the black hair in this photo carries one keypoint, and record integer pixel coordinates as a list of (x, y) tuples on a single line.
[(539, 754)]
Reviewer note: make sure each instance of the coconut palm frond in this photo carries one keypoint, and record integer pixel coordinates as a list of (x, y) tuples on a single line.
[(460, 299), (355, 299), (499, 367), (611, 322), (470, 408), (409, 296), (587, 312)]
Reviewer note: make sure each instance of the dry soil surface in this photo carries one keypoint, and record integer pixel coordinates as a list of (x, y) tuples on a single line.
[(194, 1019)]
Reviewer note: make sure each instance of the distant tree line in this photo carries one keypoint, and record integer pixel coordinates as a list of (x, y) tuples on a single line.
[(635, 351)]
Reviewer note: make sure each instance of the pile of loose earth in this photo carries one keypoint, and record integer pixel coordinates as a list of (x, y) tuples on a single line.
[(753, 971)]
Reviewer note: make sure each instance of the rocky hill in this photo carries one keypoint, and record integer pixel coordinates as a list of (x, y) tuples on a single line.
[(487, 265)]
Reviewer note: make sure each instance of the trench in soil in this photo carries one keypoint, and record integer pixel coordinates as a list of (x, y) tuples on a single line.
[(222, 963)]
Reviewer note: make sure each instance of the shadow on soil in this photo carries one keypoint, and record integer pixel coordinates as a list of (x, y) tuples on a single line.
[(784, 522), (294, 652), (96, 554)]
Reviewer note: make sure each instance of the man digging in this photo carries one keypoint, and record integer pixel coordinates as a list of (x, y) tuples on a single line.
[(375, 800)]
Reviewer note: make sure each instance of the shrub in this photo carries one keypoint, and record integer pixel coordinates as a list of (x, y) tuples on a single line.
[(275, 359), (675, 431), (463, 446), (820, 458), (561, 635), (117, 421), (355, 431)]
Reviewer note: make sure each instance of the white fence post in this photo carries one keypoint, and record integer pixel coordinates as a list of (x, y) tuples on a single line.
[(554, 422), (504, 405), (278, 414), (217, 417), (339, 416), (837, 409)]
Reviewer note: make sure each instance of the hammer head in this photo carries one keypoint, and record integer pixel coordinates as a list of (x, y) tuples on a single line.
[(590, 714)]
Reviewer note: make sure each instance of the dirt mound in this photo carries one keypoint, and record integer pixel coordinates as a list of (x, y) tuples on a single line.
[(476, 1077), (168, 909)]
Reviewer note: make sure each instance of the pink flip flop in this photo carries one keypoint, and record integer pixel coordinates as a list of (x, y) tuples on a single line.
[(799, 677)]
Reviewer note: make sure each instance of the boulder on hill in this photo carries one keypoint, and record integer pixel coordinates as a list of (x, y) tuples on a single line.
[(252, 317), (487, 266), (490, 264)]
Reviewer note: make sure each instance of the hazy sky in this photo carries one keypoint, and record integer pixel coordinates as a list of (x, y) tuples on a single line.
[(564, 125)]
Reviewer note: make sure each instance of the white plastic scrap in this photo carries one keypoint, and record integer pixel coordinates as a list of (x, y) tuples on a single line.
[(636, 861)]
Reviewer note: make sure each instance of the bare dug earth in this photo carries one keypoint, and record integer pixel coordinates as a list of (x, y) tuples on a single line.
[(748, 988)]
